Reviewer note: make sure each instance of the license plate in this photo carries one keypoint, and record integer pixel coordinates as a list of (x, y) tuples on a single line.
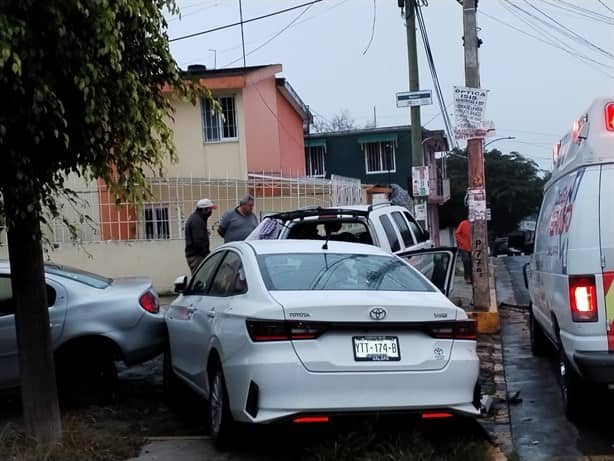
[(376, 348)]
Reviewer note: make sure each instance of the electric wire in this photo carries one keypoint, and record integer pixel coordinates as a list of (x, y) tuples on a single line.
[(372, 29), (435, 77), (234, 24), (594, 16), (265, 43), (570, 33), (606, 6), (574, 53)]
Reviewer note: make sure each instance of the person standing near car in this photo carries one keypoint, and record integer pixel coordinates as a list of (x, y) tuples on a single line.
[(463, 240), (238, 223), (197, 235)]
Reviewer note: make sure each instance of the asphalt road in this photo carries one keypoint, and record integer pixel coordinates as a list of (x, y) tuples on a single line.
[(540, 430)]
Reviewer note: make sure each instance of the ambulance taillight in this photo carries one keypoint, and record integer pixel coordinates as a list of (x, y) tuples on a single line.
[(609, 116)]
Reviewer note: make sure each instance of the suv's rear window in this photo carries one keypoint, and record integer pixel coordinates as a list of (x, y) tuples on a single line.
[(334, 271), (78, 275)]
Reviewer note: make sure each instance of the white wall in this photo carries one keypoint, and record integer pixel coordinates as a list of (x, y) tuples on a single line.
[(162, 260)]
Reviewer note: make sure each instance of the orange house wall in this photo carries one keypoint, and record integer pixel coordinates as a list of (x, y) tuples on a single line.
[(115, 223), (261, 126), (291, 141)]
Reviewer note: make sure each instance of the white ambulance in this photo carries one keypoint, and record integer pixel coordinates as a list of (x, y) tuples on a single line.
[(571, 273)]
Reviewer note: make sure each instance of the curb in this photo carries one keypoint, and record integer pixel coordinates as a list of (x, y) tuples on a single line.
[(488, 322)]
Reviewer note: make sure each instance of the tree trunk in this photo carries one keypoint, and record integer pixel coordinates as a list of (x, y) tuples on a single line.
[(38, 385)]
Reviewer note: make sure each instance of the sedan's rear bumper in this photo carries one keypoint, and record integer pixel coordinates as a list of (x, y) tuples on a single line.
[(285, 388), (144, 341), (595, 366)]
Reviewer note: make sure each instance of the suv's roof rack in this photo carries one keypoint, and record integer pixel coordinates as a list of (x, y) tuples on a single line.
[(377, 205), (317, 211)]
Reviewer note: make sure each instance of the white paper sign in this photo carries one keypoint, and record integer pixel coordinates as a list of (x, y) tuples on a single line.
[(469, 109), (420, 181), (476, 200), (420, 211)]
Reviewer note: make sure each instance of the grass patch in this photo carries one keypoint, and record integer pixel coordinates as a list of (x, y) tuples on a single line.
[(83, 441), (369, 445)]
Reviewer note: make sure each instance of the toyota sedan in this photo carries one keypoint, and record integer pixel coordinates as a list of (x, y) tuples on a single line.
[(303, 331)]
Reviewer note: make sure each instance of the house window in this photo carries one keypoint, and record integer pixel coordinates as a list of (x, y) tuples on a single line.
[(379, 157), (314, 161), (157, 226), (219, 126)]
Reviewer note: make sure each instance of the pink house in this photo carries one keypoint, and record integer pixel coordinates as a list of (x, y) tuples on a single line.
[(260, 128)]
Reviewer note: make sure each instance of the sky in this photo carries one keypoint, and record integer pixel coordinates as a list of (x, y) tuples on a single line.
[(543, 61)]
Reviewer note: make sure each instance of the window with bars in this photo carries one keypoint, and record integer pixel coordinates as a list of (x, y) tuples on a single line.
[(219, 126), (314, 161), (157, 225), (379, 157)]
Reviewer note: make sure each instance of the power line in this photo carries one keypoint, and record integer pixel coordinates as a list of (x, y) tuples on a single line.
[(273, 37), (520, 13), (606, 6), (429, 55), (579, 11), (234, 24), (310, 18), (573, 34), (575, 54), (372, 29)]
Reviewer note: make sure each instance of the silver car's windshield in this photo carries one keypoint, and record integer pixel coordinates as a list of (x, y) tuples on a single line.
[(334, 271), (78, 275)]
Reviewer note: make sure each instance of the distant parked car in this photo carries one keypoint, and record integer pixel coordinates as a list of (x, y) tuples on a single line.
[(94, 321), (303, 331), (390, 227)]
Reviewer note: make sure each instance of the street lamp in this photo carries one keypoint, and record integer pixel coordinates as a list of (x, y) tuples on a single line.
[(498, 139)]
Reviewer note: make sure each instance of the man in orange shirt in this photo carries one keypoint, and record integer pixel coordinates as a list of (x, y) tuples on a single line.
[(463, 240)]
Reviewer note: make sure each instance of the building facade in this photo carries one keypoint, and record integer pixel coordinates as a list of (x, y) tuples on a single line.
[(381, 156)]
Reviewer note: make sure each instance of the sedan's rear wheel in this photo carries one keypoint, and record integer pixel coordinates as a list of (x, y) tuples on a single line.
[(220, 420)]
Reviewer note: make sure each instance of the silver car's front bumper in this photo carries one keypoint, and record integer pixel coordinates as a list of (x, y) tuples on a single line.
[(286, 388)]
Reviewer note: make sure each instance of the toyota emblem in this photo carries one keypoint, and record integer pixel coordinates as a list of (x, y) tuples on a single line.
[(377, 313)]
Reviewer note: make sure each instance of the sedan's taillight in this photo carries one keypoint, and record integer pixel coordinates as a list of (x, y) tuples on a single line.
[(459, 329), (149, 301), (583, 298), (280, 330)]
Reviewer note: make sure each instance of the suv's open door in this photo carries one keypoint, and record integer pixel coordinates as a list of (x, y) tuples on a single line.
[(437, 264)]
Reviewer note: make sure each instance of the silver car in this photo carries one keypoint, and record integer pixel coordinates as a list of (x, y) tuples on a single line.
[(95, 321)]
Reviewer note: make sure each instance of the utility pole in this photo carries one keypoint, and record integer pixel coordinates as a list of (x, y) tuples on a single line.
[(417, 156), (475, 153)]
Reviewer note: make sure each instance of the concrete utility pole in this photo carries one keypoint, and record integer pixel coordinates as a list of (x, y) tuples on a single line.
[(417, 155), (475, 152)]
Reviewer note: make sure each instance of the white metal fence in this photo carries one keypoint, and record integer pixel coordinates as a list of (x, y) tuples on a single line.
[(162, 216)]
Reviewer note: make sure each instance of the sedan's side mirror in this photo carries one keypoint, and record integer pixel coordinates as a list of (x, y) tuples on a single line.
[(427, 235), (181, 283)]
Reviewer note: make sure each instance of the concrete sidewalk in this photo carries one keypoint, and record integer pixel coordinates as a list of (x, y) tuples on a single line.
[(187, 449)]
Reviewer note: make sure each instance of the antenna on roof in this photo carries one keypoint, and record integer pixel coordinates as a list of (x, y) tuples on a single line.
[(325, 246)]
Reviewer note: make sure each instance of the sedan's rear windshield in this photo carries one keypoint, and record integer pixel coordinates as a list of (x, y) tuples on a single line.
[(78, 275), (334, 271)]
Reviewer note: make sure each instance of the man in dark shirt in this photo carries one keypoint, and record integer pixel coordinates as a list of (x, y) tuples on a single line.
[(197, 235)]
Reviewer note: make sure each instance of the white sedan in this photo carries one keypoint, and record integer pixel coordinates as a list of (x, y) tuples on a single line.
[(303, 331)]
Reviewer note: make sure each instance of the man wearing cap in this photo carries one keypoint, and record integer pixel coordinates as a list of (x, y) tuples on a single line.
[(197, 235)]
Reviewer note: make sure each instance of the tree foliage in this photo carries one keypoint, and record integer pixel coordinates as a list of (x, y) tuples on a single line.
[(342, 121), (84, 92), (514, 189)]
